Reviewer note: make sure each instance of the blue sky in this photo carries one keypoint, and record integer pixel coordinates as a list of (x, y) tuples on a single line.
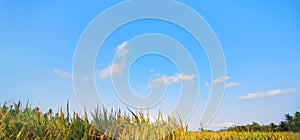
[(260, 42)]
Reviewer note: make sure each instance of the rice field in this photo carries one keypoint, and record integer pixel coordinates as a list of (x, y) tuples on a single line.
[(242, 135), (26, 123)]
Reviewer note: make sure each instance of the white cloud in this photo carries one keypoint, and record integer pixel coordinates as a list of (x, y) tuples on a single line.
[(85, 78), (151, 70), (207, 84), (167, 80), (62, 74), (115, 69), (122, 51), (232, 84), (120, 64), (221, 79), (222, 125), (270, 93)]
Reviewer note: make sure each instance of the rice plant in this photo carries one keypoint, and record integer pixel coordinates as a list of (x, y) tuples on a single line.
[(230, 135), (26, 123), (30, 123), (136, 125)]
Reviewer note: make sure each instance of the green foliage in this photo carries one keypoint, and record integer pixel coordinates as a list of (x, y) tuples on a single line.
[(30, 123), (290, 124), (232, 135)]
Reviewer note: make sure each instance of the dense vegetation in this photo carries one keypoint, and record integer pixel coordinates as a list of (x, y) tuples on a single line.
[(17, 122), (30, 123), (290, 124), (232, 135)]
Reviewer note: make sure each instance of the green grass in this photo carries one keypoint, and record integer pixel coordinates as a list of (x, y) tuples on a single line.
[(17, 122)]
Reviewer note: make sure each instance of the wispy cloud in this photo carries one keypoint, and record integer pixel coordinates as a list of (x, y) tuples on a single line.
[(262, 94), (221, 79), (206, 84), (113, 69), (151, 70), (85, 78), (167, 80), (122, 51), (68, 75), (62, 74), (222, 125), (232, 84), (120, 64)]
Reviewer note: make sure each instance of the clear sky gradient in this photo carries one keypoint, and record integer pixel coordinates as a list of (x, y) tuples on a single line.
[(260, 41)]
